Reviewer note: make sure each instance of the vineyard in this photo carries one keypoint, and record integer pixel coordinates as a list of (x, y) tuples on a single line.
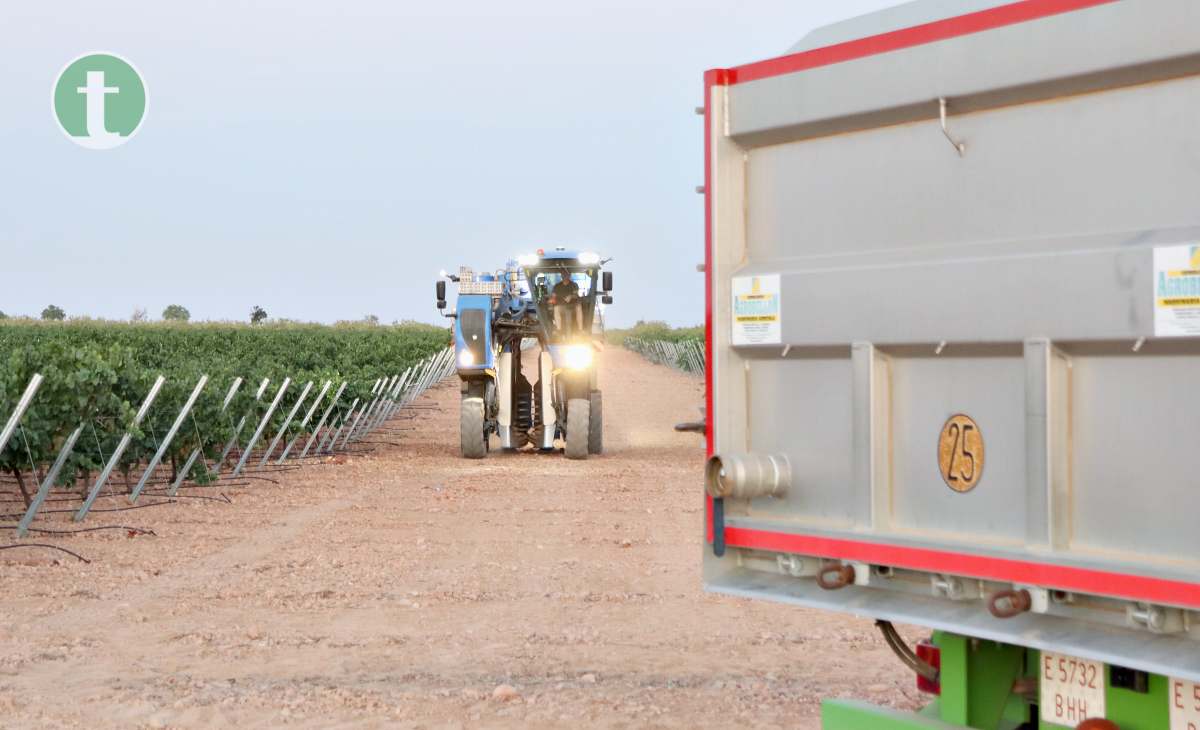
[(681, 348), (656, 331), (95, 409), (686, 354)]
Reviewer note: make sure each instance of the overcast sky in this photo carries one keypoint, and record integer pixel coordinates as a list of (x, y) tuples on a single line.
[(325, 159)]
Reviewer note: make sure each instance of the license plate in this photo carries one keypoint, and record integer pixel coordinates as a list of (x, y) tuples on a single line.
[(1184, 697), (1072, 689)]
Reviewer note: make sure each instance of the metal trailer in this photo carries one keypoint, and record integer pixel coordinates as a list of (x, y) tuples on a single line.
[(953, 320)]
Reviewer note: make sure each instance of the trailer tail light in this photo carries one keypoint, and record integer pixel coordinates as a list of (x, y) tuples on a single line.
[(929, 653)]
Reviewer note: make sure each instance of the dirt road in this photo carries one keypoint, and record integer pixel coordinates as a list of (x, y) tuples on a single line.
[(407, 587)]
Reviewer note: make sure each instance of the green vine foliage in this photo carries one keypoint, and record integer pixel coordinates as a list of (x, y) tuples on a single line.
[(98, 373), (655, 330)]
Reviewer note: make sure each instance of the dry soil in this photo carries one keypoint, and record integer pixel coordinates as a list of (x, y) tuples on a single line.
[(406, 587)]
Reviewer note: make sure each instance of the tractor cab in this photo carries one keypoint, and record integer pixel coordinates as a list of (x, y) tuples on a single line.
[(564, 286)]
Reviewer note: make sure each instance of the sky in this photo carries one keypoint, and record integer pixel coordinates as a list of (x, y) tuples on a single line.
[(324, 160)]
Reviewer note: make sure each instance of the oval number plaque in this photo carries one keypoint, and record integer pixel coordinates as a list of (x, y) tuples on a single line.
[(960, 453)]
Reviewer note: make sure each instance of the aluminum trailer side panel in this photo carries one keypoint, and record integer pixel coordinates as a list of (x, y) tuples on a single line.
[(954, 333)]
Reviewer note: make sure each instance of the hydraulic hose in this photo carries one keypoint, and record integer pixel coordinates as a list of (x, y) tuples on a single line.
[(904, 653)]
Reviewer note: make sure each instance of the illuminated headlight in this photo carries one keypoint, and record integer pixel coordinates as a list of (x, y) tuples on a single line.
[(466, 359), (587, 258), (527, 259), (577, 357)]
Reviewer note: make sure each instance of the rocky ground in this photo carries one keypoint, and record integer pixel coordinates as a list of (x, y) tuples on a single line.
[(406, 587)]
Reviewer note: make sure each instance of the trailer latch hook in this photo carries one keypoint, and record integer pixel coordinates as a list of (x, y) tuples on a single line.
[(959, 146), (1007, 604), (833, 577)]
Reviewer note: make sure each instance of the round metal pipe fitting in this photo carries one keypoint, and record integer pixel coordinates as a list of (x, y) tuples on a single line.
[(744, 476), (833, 577), (1007, 604)]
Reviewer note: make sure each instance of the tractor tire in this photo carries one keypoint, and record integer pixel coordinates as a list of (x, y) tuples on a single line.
[(578, 423), (470, 428), (595, 424)]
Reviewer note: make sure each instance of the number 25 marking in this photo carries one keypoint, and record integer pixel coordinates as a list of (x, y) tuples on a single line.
[(959, 434), (960, 453)]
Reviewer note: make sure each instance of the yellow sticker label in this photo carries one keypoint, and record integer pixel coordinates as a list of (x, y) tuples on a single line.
[(1177, 291), (757, 311), (961, 453)]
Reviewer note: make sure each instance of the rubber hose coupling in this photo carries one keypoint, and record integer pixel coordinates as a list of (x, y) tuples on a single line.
[(745, 476)]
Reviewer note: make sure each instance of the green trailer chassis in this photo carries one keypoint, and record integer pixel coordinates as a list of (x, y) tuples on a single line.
[(978, 679)]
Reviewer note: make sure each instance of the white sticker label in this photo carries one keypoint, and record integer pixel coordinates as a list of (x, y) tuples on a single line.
[(1184, 698), (757, 318), (1177, 291), (1072, 689)]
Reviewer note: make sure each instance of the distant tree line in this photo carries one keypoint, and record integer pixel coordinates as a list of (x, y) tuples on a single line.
[(176, 313), (180, 313)]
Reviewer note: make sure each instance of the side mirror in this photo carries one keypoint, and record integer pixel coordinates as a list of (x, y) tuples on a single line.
[(441, 304), (441, 291), (607, 298), (607, 281)]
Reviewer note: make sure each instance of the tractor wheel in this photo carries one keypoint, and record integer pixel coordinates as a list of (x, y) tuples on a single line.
[(595, 424), (470, 426), (578, 421)]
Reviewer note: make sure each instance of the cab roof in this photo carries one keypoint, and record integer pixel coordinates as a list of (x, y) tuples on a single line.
[(558, 254)]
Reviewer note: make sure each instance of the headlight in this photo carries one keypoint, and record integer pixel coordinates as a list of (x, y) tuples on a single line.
[(466, 359), (587, 258), (527, 259), (577, 357)]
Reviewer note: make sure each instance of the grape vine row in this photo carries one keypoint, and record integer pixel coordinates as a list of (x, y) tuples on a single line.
[(97, 374)]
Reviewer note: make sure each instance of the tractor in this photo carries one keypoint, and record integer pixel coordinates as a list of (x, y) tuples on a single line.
[(546, 301)]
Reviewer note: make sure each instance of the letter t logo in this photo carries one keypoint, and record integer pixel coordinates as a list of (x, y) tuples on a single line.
[(99, 101), (95, 92)]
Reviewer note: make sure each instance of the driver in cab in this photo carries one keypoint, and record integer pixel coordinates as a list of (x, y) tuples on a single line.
[(568, 314)]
